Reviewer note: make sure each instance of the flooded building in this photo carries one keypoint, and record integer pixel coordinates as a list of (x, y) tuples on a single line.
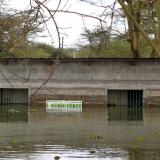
[(94, 81), (128, 131)]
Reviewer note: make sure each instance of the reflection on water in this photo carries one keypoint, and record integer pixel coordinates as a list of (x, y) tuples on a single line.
[(90, 134), (48, 152), (13, 113), (120, 113)]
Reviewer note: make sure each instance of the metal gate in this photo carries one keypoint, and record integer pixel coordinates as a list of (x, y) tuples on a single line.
[(121, 113), (13, 104), (130, 98), (13, 96), (125, 105)]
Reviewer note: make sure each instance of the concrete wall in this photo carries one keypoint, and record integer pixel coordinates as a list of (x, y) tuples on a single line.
[(86, 79)]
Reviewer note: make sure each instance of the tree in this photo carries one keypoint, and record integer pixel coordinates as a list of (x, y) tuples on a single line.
[(96, 38), (25, 23), (157, 24), (134, 12), (16, 30)]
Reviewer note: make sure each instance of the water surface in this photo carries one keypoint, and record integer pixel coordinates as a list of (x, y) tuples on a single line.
[(110, 133)]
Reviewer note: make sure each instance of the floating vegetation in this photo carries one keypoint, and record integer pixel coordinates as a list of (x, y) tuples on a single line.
[(94, 137), (140, 139), (156, 133), (14, 141), (13, 111), (33, 110), (136, 146), (57, 157), (92, 152), (107, 117)]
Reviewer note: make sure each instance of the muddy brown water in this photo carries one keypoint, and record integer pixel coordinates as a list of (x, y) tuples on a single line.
[(98, 133)]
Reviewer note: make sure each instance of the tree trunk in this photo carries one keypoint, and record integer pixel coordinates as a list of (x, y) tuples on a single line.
[(130, 28), (132, 18), (157, 7), (137, 12)]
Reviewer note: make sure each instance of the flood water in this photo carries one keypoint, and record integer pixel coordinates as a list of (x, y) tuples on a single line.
[(95, 133)]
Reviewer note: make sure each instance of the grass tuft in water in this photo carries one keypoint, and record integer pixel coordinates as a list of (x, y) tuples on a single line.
[(57, 158)]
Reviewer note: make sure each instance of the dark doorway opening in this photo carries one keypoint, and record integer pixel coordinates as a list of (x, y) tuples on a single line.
[(135, 98), (130, 98), (125, 105), (13, 96)]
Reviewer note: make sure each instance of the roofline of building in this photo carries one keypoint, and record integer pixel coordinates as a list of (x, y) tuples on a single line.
[(82, 59)]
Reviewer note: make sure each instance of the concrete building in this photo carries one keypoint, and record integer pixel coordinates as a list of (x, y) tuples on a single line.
[(94, 81)]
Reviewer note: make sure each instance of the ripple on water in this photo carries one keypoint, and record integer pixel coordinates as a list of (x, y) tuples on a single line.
[(48, 152)]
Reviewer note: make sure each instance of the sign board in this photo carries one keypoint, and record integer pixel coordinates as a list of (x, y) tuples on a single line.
[(64, 106)]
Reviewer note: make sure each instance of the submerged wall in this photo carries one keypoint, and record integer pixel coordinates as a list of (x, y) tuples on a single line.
[(83, 79)]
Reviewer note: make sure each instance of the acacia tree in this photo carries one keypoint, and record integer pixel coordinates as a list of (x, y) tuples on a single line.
[(15, 31), (26, 23), (134, 12), (96, 38), (131, 11), (17, 28)]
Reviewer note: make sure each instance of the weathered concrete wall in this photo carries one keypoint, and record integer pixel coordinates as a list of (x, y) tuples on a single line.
[(83, 79)]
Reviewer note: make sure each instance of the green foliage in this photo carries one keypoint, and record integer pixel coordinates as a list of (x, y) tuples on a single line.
[(15, 31), (97, 38), (18, 28), (68, 52), (116, 48), (37, 50), (145, 49), (140, 139), (112, 49), (40, 50)]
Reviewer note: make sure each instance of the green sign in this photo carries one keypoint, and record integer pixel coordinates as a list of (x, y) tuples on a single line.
[(62, 105)]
